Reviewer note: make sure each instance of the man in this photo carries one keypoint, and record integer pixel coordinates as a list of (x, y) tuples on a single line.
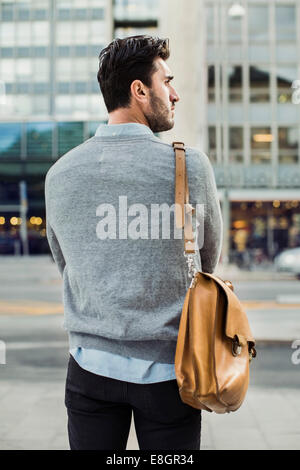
[(124, 283)]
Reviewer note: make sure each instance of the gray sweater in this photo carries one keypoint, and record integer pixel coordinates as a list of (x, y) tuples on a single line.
[(123, 287)]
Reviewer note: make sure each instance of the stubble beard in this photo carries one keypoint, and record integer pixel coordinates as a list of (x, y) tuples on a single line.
[(159, 117)]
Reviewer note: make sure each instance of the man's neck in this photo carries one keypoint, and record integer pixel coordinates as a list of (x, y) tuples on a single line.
[(123, 117)]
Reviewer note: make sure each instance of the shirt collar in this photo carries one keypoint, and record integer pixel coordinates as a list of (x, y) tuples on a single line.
[(128, 128)]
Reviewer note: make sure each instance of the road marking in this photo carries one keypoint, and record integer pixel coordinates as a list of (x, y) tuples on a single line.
[(33, 307), (30, 307), (261, 304)]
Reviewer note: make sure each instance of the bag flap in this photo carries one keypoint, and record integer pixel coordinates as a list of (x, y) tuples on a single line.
[(236, 318)]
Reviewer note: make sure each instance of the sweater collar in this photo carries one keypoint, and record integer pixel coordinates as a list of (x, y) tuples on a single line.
[(128, 128)]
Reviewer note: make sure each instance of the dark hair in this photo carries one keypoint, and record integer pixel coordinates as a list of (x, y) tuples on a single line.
[(126, 60)]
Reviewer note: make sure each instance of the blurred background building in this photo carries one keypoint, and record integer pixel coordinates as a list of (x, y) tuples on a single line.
[(234, 65)]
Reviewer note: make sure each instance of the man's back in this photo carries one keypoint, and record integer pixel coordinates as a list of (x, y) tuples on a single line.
[(124, 294)]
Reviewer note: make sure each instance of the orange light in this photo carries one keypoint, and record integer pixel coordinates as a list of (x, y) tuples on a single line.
[(263, 138), (239, 224)]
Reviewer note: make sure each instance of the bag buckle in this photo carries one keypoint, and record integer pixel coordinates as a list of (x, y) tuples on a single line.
[(178, 145), (236, 347), (252, 353)]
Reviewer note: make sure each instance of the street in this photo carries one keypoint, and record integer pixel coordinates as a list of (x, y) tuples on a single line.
[(32, 412)]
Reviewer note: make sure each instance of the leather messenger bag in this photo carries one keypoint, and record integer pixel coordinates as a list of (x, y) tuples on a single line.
[(215, 344)]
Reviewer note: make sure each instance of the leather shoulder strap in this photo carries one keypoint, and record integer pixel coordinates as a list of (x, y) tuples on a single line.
[(182, 198)]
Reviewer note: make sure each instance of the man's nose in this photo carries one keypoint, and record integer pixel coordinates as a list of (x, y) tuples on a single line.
[(174, 96)]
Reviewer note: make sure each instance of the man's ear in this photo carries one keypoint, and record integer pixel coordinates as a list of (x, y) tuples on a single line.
[(138, 90), (141, 90)]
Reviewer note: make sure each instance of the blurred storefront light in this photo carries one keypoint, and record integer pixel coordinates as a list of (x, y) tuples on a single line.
[(35, 220), (14, 220), (263, 138)]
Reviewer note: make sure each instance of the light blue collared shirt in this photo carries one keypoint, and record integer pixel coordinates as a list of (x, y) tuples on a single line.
[(130, 128), (111, 365)]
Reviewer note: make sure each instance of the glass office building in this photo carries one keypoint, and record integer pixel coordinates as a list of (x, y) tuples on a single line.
[(50, 102), (253, 122), (50, 99)]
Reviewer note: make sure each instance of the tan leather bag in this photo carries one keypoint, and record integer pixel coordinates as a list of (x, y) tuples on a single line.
[(215, 344)]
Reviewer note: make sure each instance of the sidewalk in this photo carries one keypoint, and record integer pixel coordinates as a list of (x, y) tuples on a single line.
[(49, 269), (32, 411), (261, 273), (268, 419)]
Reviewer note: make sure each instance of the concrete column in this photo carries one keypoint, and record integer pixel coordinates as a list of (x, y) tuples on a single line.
[(184, 24)]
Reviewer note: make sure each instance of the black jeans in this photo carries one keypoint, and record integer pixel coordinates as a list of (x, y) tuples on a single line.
[(100, 409)]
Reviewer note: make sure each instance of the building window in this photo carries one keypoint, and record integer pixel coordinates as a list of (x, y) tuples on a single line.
[(92, 126), (10, 140), (79, 14), (10, 174), (258, 23), (212, 147), (80, 87), (235, 83), (95, 49), (288, 143), (261, 139), (23, 51), (63, 87), (211, 83), (39, 14), (22, 87), (259, 79), (40, 88), (94, 87), (23, 14), (136, 10), (63, 14), (236, 144), (234, 29), (7, 52), (39, 139), (81, 51), (70, 134), (97, 13), (40, 51), (286, 52), (259, 53), (285, 77), (63, 51), (7, 11), (285, 23)]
